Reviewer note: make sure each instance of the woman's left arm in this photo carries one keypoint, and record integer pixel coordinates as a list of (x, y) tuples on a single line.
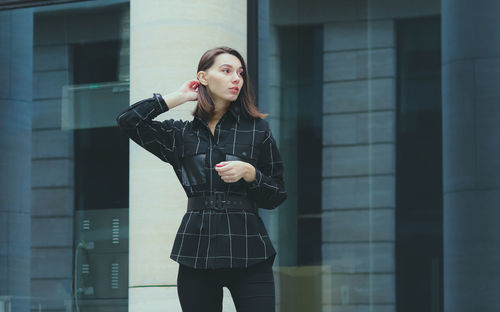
[(268, 188)]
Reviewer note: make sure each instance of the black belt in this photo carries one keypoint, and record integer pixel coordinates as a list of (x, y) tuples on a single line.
[(221, 202)]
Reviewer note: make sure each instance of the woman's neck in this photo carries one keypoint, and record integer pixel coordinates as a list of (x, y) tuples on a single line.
[(219, 111)]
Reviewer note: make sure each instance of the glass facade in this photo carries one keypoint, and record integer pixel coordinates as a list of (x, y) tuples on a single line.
[(353, 89), (384, 142), (64, 194)]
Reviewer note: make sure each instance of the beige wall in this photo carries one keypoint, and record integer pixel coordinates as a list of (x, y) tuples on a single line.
[(167, 39)]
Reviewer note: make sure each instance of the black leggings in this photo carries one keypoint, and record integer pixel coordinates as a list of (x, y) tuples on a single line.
[(252, 288)]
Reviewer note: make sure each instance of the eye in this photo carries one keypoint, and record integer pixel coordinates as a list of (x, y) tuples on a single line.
[(226, 70)]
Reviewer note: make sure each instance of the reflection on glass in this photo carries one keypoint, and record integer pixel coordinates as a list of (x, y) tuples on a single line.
[(82, 105), (328, 77), (66, 225), (419, 195)]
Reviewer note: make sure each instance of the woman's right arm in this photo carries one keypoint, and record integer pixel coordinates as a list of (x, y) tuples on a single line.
[(158, 137)]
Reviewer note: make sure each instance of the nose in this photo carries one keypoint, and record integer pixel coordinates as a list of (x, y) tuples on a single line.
[(236, 77)]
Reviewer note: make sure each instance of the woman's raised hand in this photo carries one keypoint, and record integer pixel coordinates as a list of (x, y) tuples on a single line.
[(187, 92), (190, 89)]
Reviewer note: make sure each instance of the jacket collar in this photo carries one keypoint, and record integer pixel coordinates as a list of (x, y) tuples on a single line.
[(233, 110)]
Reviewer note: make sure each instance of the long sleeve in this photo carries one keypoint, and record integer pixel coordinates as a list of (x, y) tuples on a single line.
[(156, 137), (268, 188)]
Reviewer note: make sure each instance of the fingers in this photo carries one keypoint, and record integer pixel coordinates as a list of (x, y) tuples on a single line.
[(230, 178), (227, 172), (194, 84), (222, 166)]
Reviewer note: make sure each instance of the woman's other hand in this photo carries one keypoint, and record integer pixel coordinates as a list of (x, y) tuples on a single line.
[(233, 171)]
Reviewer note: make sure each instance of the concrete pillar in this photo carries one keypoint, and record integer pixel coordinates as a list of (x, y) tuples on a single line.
[(471, 149), (16, 54), (167, 39)]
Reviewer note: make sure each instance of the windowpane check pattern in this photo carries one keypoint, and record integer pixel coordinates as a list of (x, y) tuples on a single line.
[(210, 238)]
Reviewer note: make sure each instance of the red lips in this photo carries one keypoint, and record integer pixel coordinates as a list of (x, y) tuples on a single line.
[(234, 88)]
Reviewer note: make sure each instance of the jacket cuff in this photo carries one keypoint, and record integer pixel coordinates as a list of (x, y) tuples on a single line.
[(258, 179), (161, 102)]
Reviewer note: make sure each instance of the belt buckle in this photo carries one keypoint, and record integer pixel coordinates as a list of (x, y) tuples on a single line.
[(218, 203)]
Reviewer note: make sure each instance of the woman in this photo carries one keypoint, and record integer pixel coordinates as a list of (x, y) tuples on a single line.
[(229, 165)]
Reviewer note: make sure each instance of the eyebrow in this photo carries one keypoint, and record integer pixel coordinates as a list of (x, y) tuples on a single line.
[(229, 65)]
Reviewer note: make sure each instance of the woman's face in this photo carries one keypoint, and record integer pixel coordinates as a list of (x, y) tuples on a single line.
[(220, 79)]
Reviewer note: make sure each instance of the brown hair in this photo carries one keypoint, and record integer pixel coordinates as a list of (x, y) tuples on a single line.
[(246, 98)]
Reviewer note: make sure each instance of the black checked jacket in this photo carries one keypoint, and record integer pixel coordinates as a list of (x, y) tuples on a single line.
[(214, 238)]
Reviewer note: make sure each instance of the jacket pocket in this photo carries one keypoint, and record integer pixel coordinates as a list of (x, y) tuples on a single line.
[(243, 152), (193, 165)]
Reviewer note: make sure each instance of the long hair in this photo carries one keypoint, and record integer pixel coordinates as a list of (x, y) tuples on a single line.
[(246, 98)]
